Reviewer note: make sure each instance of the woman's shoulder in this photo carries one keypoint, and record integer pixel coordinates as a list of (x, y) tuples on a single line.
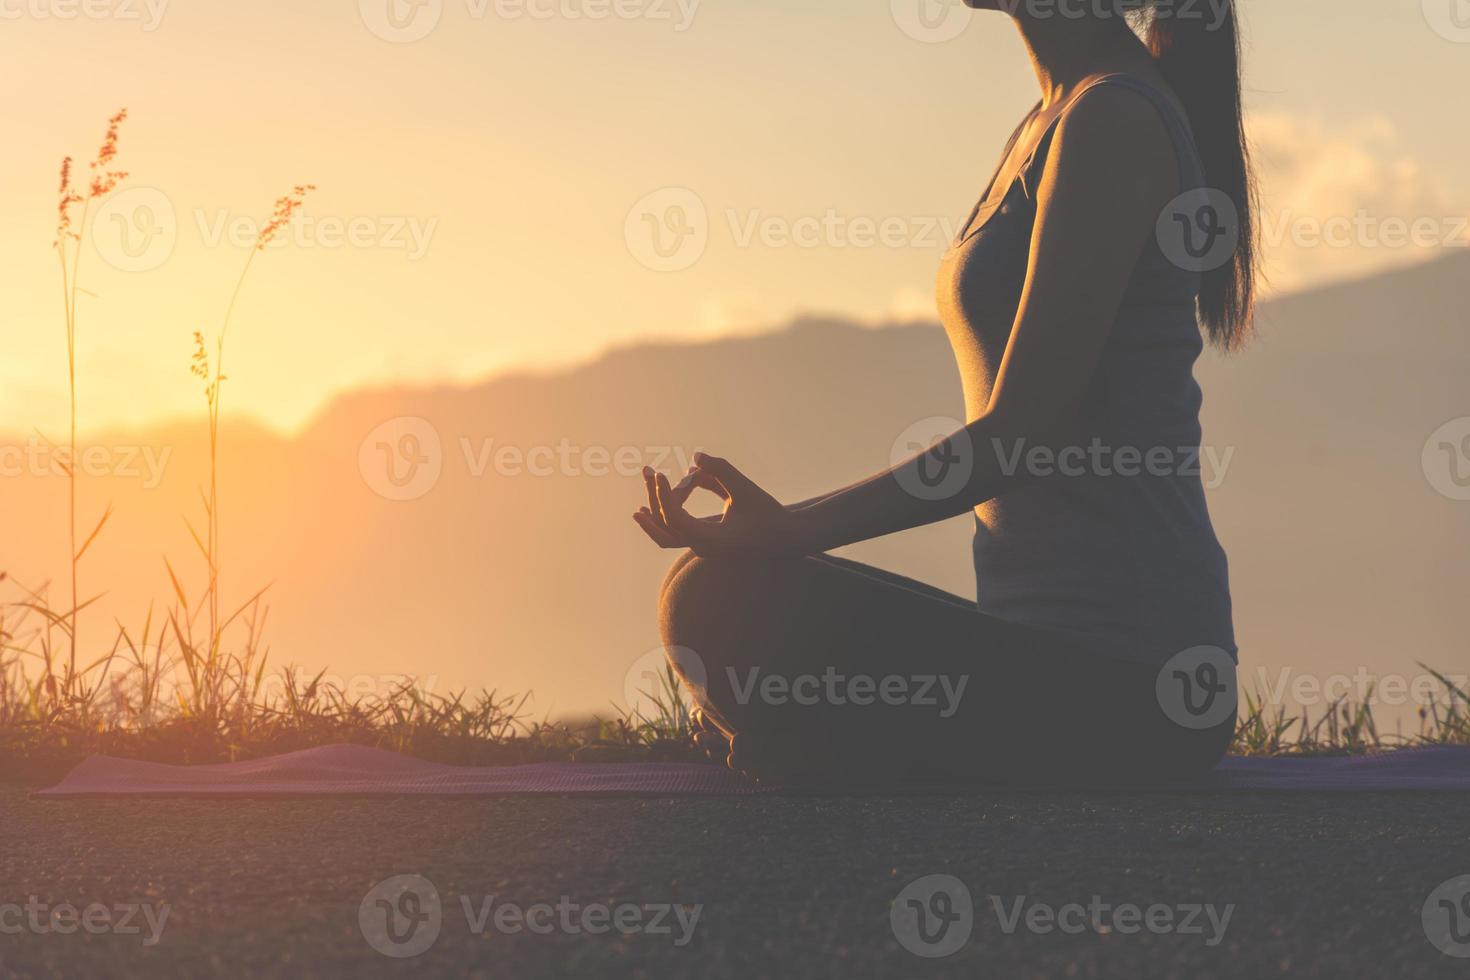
[(1118, 117), (1129, 105)]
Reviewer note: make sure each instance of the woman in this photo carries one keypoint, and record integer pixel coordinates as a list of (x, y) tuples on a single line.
[(1075, 300)]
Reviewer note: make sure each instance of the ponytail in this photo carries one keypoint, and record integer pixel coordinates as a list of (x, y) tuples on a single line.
[(1197, 48)]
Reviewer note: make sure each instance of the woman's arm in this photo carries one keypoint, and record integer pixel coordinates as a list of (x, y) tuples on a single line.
[(1111, 170)]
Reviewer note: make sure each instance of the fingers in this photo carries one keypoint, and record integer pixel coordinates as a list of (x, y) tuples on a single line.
[(664, 519), (669, 507), (725, 473), (681, 492), (656, 530), (652, 491), (700, 479), (698, 533)]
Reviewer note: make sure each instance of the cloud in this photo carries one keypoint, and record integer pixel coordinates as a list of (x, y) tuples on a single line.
[(911, 304), (725, 313), (1346, 201)]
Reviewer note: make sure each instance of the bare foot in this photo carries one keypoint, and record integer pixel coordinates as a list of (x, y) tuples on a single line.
[(788, 758), (707, 738)]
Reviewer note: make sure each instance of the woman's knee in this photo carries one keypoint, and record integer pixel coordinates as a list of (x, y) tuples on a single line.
[(678, 566), (705, 599), (725, 616)]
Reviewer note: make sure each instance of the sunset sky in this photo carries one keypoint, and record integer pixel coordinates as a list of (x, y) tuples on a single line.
[(486, 189)]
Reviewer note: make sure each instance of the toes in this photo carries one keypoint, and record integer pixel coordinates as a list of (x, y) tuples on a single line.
[(716, 747), (758, 758), (791, 758)]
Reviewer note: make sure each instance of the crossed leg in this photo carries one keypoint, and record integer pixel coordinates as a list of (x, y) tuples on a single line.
[(829, 670)]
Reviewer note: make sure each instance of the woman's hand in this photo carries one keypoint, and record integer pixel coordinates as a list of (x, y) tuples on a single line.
[(753, 522)]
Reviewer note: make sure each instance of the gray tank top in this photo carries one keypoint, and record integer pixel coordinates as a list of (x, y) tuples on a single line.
[(1120, 552)]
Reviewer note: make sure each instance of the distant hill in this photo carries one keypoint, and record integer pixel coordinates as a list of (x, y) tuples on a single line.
[(1343, 555)]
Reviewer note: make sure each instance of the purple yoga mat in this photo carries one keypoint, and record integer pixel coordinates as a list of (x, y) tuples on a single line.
[(357, 770), (1439, 767)]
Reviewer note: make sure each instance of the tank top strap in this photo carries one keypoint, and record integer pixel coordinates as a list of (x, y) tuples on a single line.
[(1191, 170), (1181, 134)]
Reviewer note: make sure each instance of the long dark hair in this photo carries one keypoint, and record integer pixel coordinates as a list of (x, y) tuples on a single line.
[(1197, 47)]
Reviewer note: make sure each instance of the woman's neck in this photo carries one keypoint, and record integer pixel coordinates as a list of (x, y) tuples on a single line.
[(1064, 51)]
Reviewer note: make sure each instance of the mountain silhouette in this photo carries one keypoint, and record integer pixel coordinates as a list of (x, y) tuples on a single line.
[(513, 563)]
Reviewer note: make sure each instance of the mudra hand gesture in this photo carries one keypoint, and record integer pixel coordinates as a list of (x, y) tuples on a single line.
[(752, 523)]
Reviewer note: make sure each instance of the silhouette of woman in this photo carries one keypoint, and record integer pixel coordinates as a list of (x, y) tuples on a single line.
[(1116, 231)]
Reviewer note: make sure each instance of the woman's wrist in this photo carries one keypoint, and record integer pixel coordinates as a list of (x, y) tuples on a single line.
[(806, 529)]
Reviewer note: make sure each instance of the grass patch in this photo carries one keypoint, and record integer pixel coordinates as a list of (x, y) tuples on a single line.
[(46, 729), (48, 725)]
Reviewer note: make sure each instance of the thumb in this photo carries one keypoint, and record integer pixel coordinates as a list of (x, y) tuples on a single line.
[(737, 483)]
